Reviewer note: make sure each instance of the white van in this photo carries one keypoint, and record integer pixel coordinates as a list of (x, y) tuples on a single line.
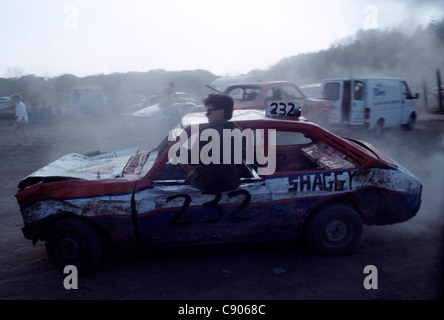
[(375, 102), (5, 103)]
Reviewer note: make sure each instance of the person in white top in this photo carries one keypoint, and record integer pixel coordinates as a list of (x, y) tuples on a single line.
[(21, 120)]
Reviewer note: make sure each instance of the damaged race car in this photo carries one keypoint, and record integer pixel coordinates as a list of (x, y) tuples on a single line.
[(298, 180)]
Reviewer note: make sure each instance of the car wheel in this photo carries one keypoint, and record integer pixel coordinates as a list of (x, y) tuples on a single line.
[(72, 241), (334, 229)]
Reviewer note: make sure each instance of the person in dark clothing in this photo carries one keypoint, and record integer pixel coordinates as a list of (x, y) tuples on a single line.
[(167, 96), (219, 175)]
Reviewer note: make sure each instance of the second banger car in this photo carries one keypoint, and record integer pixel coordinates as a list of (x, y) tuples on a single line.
[(321, 186), (259, 95)]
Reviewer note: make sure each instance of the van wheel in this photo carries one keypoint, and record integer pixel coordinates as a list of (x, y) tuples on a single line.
[(410, 124), (334, 229), (72, 241), (378, 127)]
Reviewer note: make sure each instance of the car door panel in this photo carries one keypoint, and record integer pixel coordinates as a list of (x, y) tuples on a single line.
[(177, 212)]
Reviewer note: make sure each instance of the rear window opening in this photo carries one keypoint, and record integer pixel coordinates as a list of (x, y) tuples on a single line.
[(243, 92), (296, 151), (325, 156)]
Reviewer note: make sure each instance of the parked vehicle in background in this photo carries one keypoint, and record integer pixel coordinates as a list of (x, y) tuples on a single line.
[(5, 103), (87, 100), (374, 102), (185, 97), (157, 120), (259, 95), (220, 84)]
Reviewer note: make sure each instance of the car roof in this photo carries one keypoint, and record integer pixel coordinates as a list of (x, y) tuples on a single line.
[(361, 78), (245, 115), (260, 84), (249, 118)]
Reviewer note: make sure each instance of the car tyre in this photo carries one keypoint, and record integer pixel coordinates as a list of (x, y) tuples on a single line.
[(379, 127), (334, 229), (71, 241)]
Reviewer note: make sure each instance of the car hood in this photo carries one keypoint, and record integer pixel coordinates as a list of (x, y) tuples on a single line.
[(320, 101), (77, 166), (155, 112)]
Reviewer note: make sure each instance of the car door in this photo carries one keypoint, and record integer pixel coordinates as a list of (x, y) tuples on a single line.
[(272, 94), (292, 94), (172, 211), (333, 91), (287, 208)]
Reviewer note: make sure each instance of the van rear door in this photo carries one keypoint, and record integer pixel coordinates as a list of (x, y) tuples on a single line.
[(357, 102), (332, 91)]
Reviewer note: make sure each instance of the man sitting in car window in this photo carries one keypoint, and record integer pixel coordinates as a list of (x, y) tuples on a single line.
[(217, 177)]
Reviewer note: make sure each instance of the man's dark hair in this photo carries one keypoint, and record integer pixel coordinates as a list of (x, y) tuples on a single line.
[(220, 101), (17, 96)]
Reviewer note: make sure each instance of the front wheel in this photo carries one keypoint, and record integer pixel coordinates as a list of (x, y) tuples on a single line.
[(334, 229), (410, 124), (71, 241)]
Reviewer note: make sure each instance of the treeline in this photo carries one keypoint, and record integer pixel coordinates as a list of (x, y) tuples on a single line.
[(414, 55), (121, 89)]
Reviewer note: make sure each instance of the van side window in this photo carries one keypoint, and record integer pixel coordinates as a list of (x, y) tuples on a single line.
[(331, 91), (359, 90)]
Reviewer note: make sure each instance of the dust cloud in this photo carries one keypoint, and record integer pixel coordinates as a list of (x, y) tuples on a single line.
[(421, 152)]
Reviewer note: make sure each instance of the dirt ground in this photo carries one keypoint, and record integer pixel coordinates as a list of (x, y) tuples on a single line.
[(408, 256)]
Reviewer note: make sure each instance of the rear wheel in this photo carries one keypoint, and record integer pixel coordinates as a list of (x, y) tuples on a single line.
[(334, 229), (72, 241), (378, 127)]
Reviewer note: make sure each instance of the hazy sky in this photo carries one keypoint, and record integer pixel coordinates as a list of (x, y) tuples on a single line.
[(226, 37)]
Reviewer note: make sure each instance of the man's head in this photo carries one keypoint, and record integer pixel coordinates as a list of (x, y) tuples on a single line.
[(219, 107), (16, 97)]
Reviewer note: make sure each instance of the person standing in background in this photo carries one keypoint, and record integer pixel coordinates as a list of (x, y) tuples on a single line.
[(21, 121)]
